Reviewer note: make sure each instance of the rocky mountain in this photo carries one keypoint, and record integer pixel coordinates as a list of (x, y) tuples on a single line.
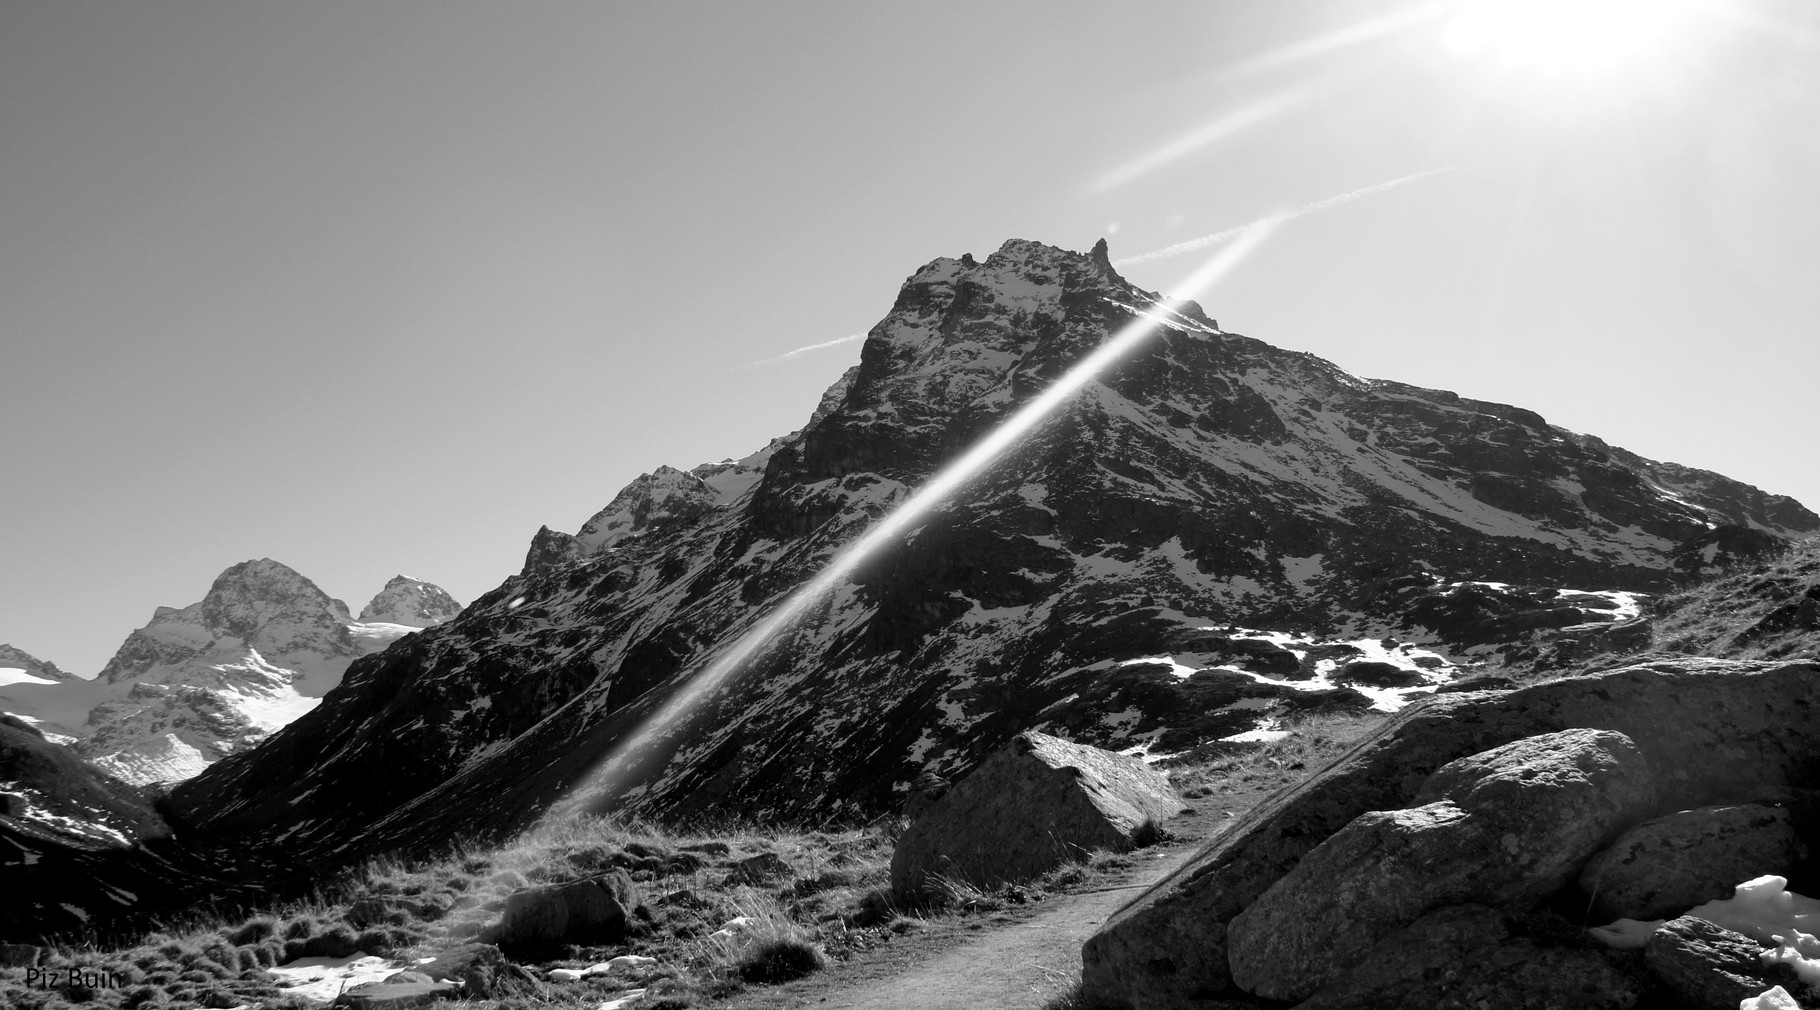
[(78, 843), (410, 602), (1209, 530), (197, 682)]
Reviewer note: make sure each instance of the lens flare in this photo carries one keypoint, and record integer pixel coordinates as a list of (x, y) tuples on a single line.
[(1250, 115), (605, 779)]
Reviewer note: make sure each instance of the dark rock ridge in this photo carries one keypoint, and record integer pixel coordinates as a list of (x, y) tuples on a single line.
[(1208, 480), (1240, 912)]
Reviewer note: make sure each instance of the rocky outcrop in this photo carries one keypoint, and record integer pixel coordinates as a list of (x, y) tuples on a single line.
[(1506, 827), (1698, 965), (1473, 956), (591, 911), (1713, 732), (1670, 864), (1035, 804)]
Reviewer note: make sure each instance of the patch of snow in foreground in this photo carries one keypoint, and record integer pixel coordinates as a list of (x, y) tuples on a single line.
[(1265, 732), (321, 979), (1183, 672), (1763, 909), (1773, 998)]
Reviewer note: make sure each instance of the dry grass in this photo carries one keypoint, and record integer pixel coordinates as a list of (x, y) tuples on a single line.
[(800, 894), (1313, 741)]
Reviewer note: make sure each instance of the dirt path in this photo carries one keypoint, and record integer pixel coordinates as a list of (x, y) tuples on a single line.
[(1020, 959), (1020, 966)]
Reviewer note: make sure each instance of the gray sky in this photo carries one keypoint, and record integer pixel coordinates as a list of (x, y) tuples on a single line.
[(374, 288)]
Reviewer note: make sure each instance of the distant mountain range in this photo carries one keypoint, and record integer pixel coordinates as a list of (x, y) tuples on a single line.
[(215, 677)]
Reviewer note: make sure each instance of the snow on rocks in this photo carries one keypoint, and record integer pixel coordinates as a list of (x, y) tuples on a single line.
[(622, 963), (321, 979), (623, 1000), (1773, 998)]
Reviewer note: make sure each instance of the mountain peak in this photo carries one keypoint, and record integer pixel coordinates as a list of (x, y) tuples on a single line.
[(1099, 578), (18, 659), (410, 602)]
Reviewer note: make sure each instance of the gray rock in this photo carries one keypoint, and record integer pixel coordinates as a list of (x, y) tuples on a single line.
[(595, 910), (1507, 827), (1697, 965), (390, 995), (1467, 957), (1030, 807), (1714, 730), (478, 967), (1664, 867)]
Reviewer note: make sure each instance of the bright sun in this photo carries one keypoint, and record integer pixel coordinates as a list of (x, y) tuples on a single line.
[(1562, 37)]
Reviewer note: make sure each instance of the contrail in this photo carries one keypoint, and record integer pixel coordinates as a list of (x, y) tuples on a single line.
[(1321, 45), (1308, 208), (787, 355), (1256, 112)]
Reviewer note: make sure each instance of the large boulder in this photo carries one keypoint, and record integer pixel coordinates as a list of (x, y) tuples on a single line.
[(1470, 956), (1697, 965), (1507, 827), (1033, 805), (1715, 731), (479, 968), (1666, 866), (595, 910)]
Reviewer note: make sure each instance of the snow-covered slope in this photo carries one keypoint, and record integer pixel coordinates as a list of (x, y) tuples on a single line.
[(1213, 530), (198, 682)]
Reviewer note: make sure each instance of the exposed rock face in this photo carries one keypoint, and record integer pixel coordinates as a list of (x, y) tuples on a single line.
[(1470, 956), (594, 910), (1671, 864), (1207, 481), (1033, 805), (410, 602), (1712, 730), (1506, 827), (1699, 965)]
